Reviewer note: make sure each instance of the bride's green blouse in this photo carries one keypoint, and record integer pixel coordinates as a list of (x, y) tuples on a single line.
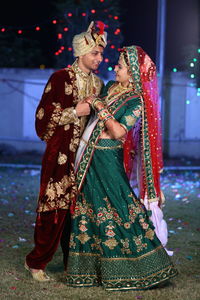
[(126, 104)]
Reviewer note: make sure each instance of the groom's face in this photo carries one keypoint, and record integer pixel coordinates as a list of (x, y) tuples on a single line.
[(92, 60)]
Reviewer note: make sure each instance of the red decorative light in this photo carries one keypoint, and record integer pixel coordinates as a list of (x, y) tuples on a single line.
[(65, 28), (93, 11), (116, 17), (117, 31), (54, 21), (3, 29), (112, 46), (56, 53), (62, 48), (68, 66), (106, 60), (19, 31), (37, 28), (69, 14), (60, 36), (69, 49), (119, 49), (83, 14), (101, 0), (59, 51)]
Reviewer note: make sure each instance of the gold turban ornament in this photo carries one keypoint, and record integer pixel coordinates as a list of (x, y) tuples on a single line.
[(84, 42)]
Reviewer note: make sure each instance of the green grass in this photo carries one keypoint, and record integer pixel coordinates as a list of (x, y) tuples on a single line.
[(18, 201)]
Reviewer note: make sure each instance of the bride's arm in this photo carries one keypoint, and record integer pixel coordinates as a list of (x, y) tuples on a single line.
[(118, 129)]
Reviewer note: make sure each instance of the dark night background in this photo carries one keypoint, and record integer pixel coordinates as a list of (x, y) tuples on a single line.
[(138, 24)]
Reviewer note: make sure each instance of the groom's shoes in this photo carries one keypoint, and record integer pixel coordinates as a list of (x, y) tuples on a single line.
[(38, 276)]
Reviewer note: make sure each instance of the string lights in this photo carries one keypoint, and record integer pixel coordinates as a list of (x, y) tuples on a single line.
[(194, 73), (66, 26)]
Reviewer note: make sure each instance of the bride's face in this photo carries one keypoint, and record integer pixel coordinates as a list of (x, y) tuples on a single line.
[(122, 74)]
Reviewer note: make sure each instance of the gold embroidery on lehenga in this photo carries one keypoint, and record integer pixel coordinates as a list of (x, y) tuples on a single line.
[(83, 237), (111, 243), (138, 242), (72, 243), (150, 234), (126, 246)]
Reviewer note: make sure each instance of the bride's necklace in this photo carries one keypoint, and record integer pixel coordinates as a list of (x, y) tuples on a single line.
[(117, 90)]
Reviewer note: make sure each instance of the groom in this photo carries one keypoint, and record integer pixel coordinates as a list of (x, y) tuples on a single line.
[(60, 120)]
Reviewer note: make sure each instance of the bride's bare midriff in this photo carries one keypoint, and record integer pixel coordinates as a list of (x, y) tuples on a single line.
[(105, 135)]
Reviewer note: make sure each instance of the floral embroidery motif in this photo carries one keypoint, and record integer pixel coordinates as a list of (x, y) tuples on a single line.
[(97, 244), (109, 229), (144, 225), (82, 208), (126, 246), (137, 112), (139, 244), (56, 189), (68, 89), (55, 117), (48, 88), (62, 158), (130, 120), (82, 224), (150, 234), (66, 127), (83, 237), (72, 243), (40, 113), (127, 225), (111, 243), (68, 116), (107, 213), (133, 212), (74, 144)]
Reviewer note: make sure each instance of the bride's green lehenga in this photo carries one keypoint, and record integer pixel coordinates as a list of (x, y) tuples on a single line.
[(113, 242)]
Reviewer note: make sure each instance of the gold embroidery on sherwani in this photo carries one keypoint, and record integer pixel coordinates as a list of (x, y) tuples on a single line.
[(48, 87), (66, 127), (87, 85), (62, 158), (40, 113), (68, 116), (68, 89), (56, 189), (55, 117)]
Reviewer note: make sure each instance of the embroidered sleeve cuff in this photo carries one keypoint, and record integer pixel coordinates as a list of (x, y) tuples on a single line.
[(68, 116)]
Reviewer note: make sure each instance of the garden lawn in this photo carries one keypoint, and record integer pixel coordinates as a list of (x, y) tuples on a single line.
[(18, 194)]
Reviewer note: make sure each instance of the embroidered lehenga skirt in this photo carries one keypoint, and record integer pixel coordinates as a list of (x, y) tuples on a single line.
[(112, 242)]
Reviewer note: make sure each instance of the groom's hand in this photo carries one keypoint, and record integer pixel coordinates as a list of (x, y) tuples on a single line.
[(82, 109)]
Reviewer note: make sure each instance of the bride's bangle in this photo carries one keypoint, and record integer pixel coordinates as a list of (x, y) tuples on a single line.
[(104, 115), (95, 103)]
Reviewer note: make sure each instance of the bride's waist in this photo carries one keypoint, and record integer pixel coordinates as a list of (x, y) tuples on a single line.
[(105, 143)]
